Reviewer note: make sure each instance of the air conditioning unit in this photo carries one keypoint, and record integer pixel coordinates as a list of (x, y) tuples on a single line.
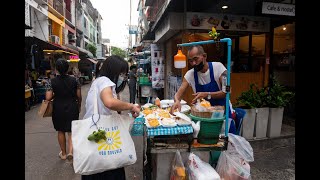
[(71, 37), (55, 39)]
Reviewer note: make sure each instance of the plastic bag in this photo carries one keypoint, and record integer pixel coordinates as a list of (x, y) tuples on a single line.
[(232, 167), (196, 128), (240, 146), (178, 171), (200, 170)]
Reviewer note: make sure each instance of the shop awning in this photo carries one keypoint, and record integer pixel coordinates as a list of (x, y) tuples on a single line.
[(71, 48), (81, 50), (92, 60)]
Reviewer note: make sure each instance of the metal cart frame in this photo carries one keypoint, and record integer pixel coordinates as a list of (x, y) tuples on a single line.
[(148, 145)]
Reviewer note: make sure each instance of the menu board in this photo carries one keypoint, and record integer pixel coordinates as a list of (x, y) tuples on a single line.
[(157, 66), (227, 22)]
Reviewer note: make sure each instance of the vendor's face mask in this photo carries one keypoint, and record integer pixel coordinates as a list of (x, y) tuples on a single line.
[(199, 66)]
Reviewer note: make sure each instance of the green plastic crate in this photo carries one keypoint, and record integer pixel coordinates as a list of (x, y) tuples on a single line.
[(210, 129)]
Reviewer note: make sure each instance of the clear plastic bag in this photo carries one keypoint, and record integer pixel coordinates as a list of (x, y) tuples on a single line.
[(200, 170), (232, 167), (239, 145), (178, 171)]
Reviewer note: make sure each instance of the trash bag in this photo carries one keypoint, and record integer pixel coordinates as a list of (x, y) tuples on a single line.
[(178, 171), (200, 170), (241, 146), (232, 167)]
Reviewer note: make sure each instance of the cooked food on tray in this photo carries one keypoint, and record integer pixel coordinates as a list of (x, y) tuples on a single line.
[(168, 122)]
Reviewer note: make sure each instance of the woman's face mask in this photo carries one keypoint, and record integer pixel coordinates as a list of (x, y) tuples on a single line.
[(121, 78), (120, 81)]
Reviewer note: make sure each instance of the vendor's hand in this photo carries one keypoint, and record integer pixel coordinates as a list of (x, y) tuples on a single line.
[(135, 111), (199, 95), (176, 105)]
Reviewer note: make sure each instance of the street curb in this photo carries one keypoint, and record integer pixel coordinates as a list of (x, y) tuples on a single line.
[(269, 143)]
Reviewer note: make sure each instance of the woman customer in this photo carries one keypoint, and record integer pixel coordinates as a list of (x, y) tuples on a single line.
[(66, 95), (112, 80)]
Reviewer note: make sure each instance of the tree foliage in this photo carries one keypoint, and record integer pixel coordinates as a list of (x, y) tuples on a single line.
[(118, 51), (92, 48)]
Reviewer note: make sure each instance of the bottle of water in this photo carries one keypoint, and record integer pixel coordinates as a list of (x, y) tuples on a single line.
[(224, 83)]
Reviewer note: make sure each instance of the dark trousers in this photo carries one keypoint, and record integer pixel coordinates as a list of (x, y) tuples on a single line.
[(132, 90)]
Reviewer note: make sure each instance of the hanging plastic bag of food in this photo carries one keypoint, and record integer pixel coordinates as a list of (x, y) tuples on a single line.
[(200, 170), (178, 171)]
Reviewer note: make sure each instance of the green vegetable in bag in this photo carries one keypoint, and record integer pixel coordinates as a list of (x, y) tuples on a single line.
[(97, 136)]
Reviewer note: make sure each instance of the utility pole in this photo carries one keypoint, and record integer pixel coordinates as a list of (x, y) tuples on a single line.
[(130, 39)]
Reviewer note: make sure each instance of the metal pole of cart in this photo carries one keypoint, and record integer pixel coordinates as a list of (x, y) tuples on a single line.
[(229, 43)]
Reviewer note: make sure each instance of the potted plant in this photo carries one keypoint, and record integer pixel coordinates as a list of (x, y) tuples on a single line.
[(249, 100), (278, 97), (262, 113)]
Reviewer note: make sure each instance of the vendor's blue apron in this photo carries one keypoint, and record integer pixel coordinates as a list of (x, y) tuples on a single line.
[(213, 87)]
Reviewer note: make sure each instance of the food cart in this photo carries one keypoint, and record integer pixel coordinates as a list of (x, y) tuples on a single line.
[(161, 143)]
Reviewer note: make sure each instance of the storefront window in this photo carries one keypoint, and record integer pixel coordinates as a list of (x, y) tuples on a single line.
[(258, 51), (242, 62), (283, 59)]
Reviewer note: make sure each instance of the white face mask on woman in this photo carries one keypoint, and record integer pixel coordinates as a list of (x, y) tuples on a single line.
[(120, 81)]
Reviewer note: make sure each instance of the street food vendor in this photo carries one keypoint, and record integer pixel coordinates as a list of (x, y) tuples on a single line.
[(205, 78)]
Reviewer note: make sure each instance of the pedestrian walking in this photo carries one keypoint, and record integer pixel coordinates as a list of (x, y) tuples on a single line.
[(132, 83), (66, 95)]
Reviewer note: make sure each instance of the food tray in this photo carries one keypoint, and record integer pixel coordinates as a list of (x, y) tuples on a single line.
[(148, 125)]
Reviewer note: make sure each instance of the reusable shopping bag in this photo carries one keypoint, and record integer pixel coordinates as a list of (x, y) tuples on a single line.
[(178, 172), (45, 109), (200, 170), (116, 151)]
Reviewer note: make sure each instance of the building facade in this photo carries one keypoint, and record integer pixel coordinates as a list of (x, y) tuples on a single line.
[(263, 40)]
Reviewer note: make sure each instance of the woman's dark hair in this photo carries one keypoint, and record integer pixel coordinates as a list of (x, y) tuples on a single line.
[(62, 66), (112, 68), (99, 63)]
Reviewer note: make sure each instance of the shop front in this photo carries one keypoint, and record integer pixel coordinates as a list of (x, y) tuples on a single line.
[(250, 47)]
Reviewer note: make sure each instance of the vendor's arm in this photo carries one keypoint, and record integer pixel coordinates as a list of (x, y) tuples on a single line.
[(117, 105), (178, 95), (214, 95)]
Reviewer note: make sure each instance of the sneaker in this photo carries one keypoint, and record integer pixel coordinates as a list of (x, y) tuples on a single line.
[(62, 157)]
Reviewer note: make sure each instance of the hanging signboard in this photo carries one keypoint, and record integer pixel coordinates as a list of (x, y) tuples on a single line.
[(133, 29), (157, 66), (227, 22), (278, 9)]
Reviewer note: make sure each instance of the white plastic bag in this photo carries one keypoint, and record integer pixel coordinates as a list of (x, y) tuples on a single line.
[(200, 170), (232, 167), (240, 146), (178, 171), (116, 151)]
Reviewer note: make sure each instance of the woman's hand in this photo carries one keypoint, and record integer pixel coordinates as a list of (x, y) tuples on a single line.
[(199, 95), (135, 111)]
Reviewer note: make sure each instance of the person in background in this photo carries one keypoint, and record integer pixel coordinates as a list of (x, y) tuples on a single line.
[(112, 81), (66, 95), (132, 83), (205, 78)]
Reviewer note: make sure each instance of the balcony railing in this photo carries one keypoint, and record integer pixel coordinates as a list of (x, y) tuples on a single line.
[(68, 15), (57, 5)]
